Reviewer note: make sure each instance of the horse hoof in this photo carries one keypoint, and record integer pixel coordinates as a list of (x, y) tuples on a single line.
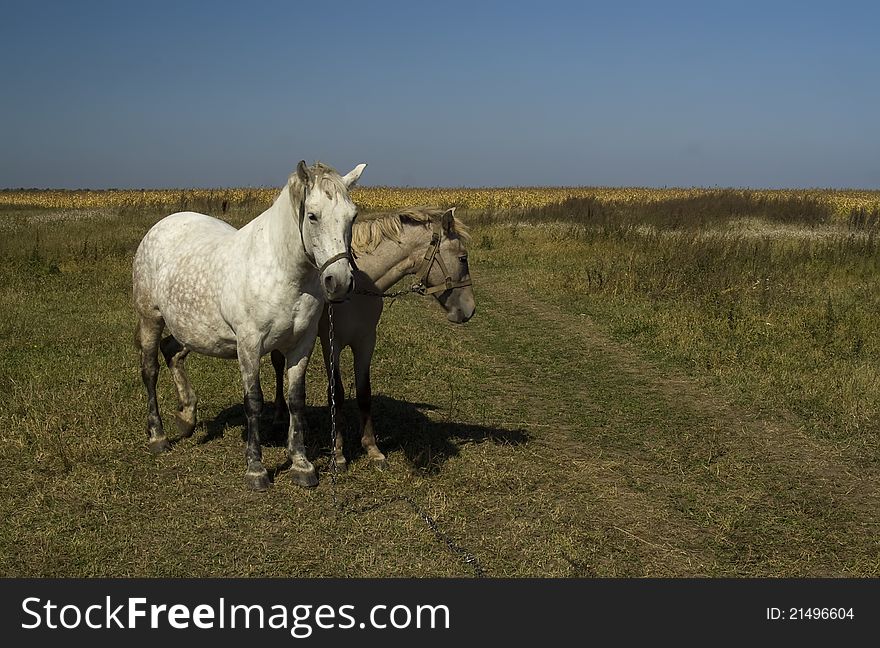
[(307, 478), (380, 464), (158, 446), (185, 428), (256, 480), (339, 466)]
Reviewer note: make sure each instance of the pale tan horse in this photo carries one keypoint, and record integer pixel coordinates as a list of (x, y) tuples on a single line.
[(427, 242)]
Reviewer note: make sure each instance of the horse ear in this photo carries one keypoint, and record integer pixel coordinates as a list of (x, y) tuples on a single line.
[(302, 172), (448, 220), (352, 176)]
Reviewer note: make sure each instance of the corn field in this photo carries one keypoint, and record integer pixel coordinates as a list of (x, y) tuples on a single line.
[(842, 202)]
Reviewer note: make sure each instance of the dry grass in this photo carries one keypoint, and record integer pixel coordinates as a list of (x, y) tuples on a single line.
[(619, 406)]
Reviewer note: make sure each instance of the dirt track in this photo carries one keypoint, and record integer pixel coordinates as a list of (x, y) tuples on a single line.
[(665, 474)]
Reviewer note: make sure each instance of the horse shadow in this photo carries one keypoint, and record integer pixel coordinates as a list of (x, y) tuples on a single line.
[(399, 425)]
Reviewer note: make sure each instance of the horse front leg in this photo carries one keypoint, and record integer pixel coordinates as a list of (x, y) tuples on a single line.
[(363, 356), (256, 476), (337, 390), (302, 471)]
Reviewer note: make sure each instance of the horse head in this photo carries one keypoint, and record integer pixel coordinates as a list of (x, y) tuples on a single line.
[(325, 212), (448, 276)]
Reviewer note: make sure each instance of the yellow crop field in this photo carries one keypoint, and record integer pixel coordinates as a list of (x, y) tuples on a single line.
[(386, 198)]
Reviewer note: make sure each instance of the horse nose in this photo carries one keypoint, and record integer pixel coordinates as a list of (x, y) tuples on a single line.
[(338, 282), (459, 316), (331, 283)]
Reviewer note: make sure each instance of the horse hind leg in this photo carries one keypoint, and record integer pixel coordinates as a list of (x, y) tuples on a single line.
[(175, 355), (281, 416), (147, 335)]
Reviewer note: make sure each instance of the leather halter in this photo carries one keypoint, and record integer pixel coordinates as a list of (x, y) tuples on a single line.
[(421, 284), (309, 256)]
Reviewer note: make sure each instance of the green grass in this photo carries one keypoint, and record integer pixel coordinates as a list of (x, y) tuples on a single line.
[(784, 316), (619, 406)]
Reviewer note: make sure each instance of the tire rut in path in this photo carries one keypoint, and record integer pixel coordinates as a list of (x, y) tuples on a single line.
[(759, 471)]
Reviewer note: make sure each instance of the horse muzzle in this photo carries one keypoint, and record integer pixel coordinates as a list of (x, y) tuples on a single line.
[(459, 316), (337, 280)]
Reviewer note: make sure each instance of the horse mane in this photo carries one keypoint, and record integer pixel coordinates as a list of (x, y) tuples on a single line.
[(326, 178), (370, 230)]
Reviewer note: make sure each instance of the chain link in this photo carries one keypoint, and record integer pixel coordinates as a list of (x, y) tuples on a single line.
[(466, 556), (333, 431), (417, 288), (341, 510)]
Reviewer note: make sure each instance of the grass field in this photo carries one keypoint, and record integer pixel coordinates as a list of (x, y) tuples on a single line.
[(654, 384)]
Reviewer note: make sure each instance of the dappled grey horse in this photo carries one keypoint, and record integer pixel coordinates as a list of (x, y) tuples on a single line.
[(427, 242), (241, 293)]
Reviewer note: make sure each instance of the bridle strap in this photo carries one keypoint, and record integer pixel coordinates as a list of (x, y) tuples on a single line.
[(431, 255), (332, 260), (448, 285), (309, 256), (428, 260), (302, 217)]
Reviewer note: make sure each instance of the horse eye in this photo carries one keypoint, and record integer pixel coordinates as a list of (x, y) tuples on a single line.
[(313, 217), (463, 259)]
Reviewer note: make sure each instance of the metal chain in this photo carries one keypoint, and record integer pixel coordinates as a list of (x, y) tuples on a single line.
[(415, 288), (466, 556), (333, 466)]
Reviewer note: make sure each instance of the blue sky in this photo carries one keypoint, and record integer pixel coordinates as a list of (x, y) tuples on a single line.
[(186, 94)]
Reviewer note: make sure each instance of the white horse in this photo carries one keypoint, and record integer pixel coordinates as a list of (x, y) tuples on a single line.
[(242, 293), (427, 242)]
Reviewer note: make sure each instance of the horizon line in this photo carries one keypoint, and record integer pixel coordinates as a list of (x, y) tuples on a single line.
[(457, 188)]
